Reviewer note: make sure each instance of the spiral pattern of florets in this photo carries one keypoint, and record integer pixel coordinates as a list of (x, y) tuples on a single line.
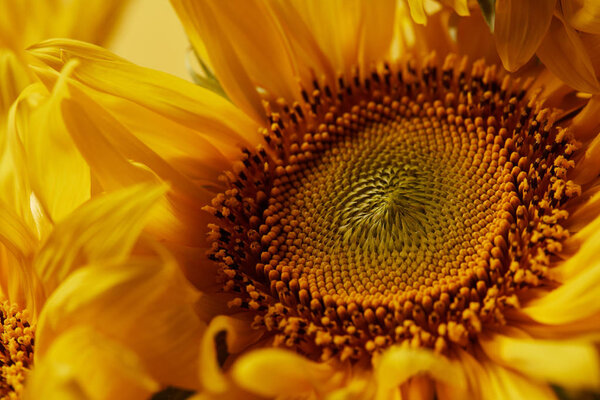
[(409, 205)]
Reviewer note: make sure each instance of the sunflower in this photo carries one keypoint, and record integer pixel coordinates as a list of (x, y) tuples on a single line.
[(84, 279), (374, 208)]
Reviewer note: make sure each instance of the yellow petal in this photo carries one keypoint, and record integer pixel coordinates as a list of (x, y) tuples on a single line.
[(194, 155), (566, 363), (175, 98), (563, 53), (117, 158), (14, 183), (106, 228), (588, 167), (275, 372), (473, 38), (377, 34), (586, 124), (82, 363), (258, 39), (591, 42), (225, 336), (337, 26), (582, 213), (460, 6), (15, 234), (489, 381), (418, 388), (26, 22), (505, 384), (109, 132), (417, 11), (578, 297), (583, 15), (398, 364), (311, 59), (14, 78), (18, 282), (60, 177), (201, 24), (520, 26), (143, 303)]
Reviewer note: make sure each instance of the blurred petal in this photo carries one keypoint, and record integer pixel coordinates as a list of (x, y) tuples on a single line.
[(563, 52), (103, 229), (225, 336), (275, 372), (565, 363), (583, 15), (473, 38), (398, 364), (488, 381), (60, 177), (588, 167), (379, 18), (14, 78), (519, 29), (15, 234), (586, 124), (460, 6), (143, 303), (25, 22), (82, 363), (577, 297), (417, 11)]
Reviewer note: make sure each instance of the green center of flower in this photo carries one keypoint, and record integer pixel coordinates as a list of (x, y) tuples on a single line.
[(406, 207)]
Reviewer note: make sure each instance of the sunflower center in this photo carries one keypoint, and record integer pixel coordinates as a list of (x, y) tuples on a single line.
[(16, 350), (405, 207)]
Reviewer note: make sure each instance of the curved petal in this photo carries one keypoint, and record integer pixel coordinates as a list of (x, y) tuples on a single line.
[(175, 98), (15, 234), (276, 372), (460, 6), (398, 364), (563, 52), (117, 158), (143, 303), (82, 363), (311, 59), (487, 380), (202, 25), (583, 15), (578, 297), (588, 167), (520, 26), (585, 124), (566, 363), (14, 78), (337, 26), (417, 11), (59, 176), (106, 228), (224, 337)]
